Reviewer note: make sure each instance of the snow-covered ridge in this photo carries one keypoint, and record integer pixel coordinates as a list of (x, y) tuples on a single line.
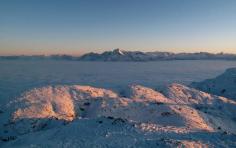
[(175, 110), (122, 55), (222, 85)]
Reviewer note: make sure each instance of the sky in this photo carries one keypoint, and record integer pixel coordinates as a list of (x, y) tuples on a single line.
[(80, 26)]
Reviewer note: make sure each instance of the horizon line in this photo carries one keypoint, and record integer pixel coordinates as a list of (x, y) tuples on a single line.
[(81, 54)]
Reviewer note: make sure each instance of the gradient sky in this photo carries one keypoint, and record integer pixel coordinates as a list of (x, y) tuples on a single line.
[(79, 26)]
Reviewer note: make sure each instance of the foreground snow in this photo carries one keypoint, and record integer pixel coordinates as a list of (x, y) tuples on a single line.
[(84, 116), (105, 132)]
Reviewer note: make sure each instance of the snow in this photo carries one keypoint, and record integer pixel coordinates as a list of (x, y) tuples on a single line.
[(69, 111), (118, 51), (131, 115), (219, 111), (91, 133), (223, 85)]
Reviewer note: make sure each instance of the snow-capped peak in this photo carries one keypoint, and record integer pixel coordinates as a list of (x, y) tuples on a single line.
[(118, 51)]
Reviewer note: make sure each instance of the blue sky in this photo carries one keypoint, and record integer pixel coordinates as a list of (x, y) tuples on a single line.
[(79, 26)]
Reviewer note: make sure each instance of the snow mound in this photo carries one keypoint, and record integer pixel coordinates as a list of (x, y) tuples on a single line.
[(223, 85), (58, 101), (142, 93)]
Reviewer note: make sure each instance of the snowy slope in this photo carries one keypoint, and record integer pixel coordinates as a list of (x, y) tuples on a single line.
[(223, 85), (106, 133), (219, 112), (84, 116)]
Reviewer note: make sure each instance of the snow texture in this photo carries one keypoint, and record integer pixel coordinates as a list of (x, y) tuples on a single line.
[(86, 116)]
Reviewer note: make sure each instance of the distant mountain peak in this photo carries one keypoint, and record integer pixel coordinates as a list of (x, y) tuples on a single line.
[(118, 51)]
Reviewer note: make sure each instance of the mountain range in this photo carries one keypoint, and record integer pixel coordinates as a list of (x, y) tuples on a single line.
[(122, 55)]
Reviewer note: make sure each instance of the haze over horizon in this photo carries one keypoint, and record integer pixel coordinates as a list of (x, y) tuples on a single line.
[(77, 27), (60, 52)]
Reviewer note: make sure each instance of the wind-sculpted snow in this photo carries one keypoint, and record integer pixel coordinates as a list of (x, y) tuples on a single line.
[(87, 116)]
